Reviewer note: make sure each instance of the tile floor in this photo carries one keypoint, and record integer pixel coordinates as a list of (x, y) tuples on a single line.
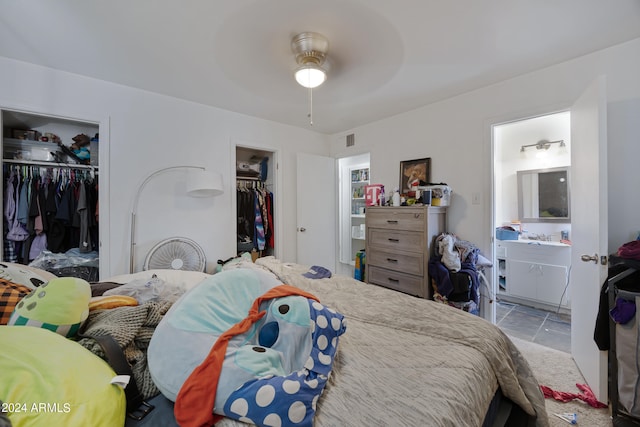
[(531, 324)]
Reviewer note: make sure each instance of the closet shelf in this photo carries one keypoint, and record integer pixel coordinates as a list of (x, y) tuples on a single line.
[(49, 164)]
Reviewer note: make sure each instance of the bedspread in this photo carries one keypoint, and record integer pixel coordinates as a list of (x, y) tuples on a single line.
[(408, 361)]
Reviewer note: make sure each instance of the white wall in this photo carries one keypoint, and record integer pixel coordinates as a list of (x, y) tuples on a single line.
[(150, 131), (456, 134)]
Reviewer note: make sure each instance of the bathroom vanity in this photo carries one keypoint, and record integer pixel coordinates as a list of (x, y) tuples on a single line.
[(534, 272)]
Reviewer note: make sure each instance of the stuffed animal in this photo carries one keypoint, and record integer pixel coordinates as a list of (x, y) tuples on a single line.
[(61, 305), (208, 356), (79, 146), (79, 141)]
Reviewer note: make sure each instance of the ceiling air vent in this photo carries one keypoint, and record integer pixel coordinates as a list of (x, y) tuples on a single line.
[(351, 140)]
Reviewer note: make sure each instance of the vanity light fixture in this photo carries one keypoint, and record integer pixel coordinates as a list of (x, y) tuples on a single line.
[(543, 145)]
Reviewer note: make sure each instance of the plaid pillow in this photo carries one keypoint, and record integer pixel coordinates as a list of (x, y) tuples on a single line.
[(10, 295)]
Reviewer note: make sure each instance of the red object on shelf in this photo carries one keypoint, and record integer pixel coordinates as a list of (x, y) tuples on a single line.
[(374, 195)]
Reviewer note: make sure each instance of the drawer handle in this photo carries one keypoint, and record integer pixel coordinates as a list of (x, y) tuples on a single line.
[(393, 240), (392, 260), (393, 280), (392, 221)]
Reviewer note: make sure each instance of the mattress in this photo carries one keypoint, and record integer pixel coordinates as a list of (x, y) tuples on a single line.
[(410, 361)]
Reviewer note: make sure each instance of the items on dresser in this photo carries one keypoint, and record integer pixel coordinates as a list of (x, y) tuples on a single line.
[(399, 243), (374, 195)]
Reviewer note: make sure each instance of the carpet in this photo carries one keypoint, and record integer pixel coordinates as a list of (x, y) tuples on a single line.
[(557, 370)]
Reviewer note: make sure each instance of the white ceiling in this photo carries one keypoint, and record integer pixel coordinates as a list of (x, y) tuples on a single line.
[(387, 57)]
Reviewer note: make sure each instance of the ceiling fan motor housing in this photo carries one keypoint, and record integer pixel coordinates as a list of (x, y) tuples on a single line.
[(310, 47)]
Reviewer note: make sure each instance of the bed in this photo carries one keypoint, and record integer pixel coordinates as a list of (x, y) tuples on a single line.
[(403, 361)]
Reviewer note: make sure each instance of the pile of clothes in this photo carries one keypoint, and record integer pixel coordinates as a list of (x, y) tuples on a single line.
[(455, 272)]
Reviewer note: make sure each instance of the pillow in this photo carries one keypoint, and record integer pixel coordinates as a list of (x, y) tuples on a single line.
[(145, 290), (106, 302), (10, 294), (226, 264), (99, 288), (185, 278), (50, 380), (30, 277), (61, 305), (207, 355)]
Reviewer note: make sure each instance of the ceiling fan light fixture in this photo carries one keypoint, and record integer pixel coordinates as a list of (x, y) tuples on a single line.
[(311, 51), (310, 76)]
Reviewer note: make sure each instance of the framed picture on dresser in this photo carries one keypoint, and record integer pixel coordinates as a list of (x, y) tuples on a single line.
[(414, 172)]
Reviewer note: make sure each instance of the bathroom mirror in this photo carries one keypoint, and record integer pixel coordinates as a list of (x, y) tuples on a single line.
[(543, 195)]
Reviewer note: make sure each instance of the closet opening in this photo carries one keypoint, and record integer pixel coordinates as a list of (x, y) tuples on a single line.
[(255, 171), (50, 193)]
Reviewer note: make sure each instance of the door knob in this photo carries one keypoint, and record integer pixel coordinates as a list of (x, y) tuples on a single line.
[(587, 258), (302, 229)]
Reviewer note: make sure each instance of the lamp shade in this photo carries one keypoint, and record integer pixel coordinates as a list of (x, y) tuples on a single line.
[(310, 76), (204, 183)]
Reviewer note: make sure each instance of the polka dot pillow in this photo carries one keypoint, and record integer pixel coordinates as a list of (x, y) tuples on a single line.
[(282, 400)]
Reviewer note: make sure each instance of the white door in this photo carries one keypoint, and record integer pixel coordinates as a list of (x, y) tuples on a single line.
[(316, 211), (589, 230)]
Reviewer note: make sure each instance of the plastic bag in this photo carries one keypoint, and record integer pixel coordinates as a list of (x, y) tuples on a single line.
[(69, 264), (145, 290)]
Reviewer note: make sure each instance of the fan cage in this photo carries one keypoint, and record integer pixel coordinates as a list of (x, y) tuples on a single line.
[(176, 253)]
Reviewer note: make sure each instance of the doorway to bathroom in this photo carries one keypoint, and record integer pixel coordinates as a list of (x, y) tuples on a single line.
[(532, 190)]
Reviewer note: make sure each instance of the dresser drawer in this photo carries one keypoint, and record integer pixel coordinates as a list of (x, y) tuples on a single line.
[(409, 219), (411, 263), (402, 282), (412, 241)]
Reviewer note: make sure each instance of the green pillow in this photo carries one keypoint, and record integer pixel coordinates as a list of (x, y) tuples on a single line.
[(48, 380), (61, 305)]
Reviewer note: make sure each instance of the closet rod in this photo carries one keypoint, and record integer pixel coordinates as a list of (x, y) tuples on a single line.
[(49, 164)]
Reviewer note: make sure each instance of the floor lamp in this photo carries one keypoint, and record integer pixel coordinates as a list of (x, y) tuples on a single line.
[(200, 183)]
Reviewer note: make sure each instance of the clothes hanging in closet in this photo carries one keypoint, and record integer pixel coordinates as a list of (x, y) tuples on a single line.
[(55, 206), (255, 218)]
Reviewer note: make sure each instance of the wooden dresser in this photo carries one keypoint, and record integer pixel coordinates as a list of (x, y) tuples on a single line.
[(399, 242)]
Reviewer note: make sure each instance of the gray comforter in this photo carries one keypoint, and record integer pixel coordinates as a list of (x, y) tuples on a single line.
[(406, 361)]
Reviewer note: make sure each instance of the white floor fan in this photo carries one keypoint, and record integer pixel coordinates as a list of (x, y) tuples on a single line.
[(176, 253)]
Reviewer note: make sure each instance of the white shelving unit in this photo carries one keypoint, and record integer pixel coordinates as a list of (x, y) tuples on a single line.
[(359, 179), (501, 256), (353, 175)]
